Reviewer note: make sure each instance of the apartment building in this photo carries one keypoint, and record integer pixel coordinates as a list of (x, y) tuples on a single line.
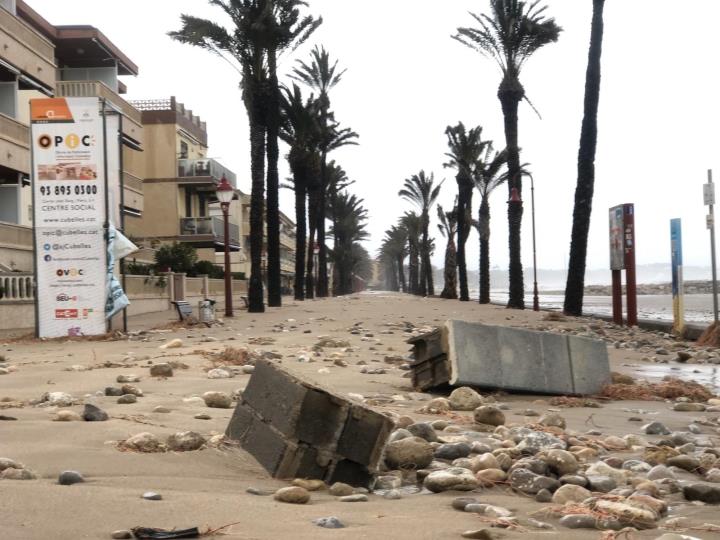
[(38, 59), (179, 185)]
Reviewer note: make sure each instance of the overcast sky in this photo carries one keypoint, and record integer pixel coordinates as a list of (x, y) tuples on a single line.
[(407, 80)]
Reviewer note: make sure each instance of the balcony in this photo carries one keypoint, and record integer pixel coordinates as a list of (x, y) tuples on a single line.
[(133, 192), (26, 50), (204, 171), (132, 123), (209, 232), (14, 144)]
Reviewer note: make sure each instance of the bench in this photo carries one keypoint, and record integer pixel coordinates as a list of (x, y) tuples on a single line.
[(184, 309)]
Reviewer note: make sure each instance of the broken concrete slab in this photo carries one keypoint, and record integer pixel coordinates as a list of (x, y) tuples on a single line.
[(295, 428), (484, 356)]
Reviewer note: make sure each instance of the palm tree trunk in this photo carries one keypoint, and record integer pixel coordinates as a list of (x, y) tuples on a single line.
[(257, 166), (401, 272), (273, 211), (464, 215), (574, 289), (424, 257), (312, 220), (510, 94), (413, 270), (451, 270), (322, 279), (301, 231), (484, 222)]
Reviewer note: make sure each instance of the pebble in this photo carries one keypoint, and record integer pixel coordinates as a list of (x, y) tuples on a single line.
[(392, 495), (660, 472), (329, 523), (127, 399), (465, 399), (481, 534), (144, 442), (127, 379), (412, 452), (112, 391), (339, 489), (130, 389), (689, 407), (530, 483), (172, 344), (423, 430), (219, 373), (543, 496), (202, 416), (454, 478), (655, 428), (68, 478), (151, 496), (552, 420), (570, 493), (309, 484), (121, 535), (161, 370), (702, 492), (259, 492), (67, 416), (452, 451), (292, 495), (601, 483), (91, 413), (58, 399), (459, 503), (161, 410), (7, 463), (18, 474), (688, 463), (217, 400), (562, 462), (360, 497), (490, 415), (247, 370), (185, 441)]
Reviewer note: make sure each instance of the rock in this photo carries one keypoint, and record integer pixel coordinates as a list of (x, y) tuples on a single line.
[(161, 370), (689, 463), (660, 472), (185, 441), (152, 496), (172, 344), (529, 441), (387, 482), (489, 415), (392, 495), (91, 413), (127, 399), (309, 484), (573, 479), (600, 468), (459, 503), (528, 482), (585, 521), (689, 407), (410, 453), (202, 416), (437, 405), (399, 434), (292, 495), (161, 410), (423, 430), (247, 370), (217, 400), (713, 476), (127, 379), (636, 466), (570, 493), (7, 463), (702, 492), (121, 535), (67, 416), (339, 489), (219, 373), (144, 442), (543, 496), (552, 420), (112, 391), (360, 497), (452, 451), (130, 389), (485, 461), (259, 492), (329, 523), (58, 399), (562, 462), (68, 478), (18, 474), (490, 477), (465, 399), (655, 428), (628, 515), (452, 479), (481, 534), (675, 536), (603, 484)]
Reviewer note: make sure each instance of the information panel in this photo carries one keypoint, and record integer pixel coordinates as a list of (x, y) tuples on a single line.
[(69, 216)]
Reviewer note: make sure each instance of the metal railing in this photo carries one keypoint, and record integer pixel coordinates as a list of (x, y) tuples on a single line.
[(209, 226), (204, 168), (16, 286)]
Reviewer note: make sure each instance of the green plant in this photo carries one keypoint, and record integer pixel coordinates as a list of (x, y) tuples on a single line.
[(177, 257), (207, 268)]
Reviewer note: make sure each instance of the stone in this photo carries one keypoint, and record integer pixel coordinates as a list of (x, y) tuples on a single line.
[(68, 478), (127, 399), (452, 479), (562, 462), (185, 441), (465, 399), (393, 495), (713, 476), (217, 400), (58, 399), (490, 477), (411, 453), (452, 451), (531, 442), (600, 468), (152, 496), (552, 420), (91, 413), (112, 391), (481, 534), (67, 416), (636, 466), (459, 503), (144, 442), (689, 463), (399, 434), (329, 523), (172, 344), (202, 416), (490, 415), (585, 521), (292, 495), (360, 497), (601, 483), (219, 373), (7, 463), (627, 514), (574, 479), (161, 370), (660, 472), (485, 461), (162, 410), (127, 378), (689, 407), (423, 430), (543, 496), (570, 493), (18, 474), (121, 534), (130, 389), (339, 489), (437, 405), (309, 484), (530, 483), (702, 492)]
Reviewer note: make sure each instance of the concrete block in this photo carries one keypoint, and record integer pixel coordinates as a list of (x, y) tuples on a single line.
[(364, 435), (349, 472), (589, 364)]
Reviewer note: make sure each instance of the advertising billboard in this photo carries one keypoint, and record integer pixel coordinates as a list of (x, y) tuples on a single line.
[(69, 192)]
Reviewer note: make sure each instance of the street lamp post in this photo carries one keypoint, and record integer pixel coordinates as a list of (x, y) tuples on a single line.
[(515, 198), (225, 194)]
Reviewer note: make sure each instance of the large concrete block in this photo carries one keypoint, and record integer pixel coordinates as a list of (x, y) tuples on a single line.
[(364, 435), (349, 472), (589, 363)]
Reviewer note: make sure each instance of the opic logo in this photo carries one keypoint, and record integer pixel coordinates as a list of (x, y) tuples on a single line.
[(62, 297), (66, 313), (71, 140), (47, 258), (47, 247), (70, 272)]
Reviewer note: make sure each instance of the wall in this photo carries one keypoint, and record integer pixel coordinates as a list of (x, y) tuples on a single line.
[(16, 247), (161, 217)]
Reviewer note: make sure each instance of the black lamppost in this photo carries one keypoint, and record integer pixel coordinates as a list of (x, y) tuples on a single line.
[(225, 194), (515, 198)]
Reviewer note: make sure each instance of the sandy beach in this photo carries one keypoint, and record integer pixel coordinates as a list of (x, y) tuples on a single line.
[(207, 488)]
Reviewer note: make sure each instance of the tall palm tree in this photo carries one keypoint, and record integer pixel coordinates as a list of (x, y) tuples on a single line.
[(510, 35), (322, 75), (300, 129), (392, 253), (351, 229), (412, 224), (421, 191), (285, 30), (488, 176), (575, 287), (243, 48), (466, 147), (448, 228)]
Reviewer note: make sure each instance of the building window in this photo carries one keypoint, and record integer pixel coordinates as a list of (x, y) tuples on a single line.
[(183, 150)]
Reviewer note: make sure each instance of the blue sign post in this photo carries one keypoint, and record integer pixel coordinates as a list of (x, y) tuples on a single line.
[(678, 290)]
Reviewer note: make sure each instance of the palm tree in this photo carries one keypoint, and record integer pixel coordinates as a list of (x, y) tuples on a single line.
[(510, 35), (285, 29), (487, 178), (466, 147), (586, 169), (350, 229), (448, 228), (242, 48), (322, 75), (412, 223), (300, 129), (392, 254), (420, 190)]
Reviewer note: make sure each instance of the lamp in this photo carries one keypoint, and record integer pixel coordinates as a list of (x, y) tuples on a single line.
[(225, 193)]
